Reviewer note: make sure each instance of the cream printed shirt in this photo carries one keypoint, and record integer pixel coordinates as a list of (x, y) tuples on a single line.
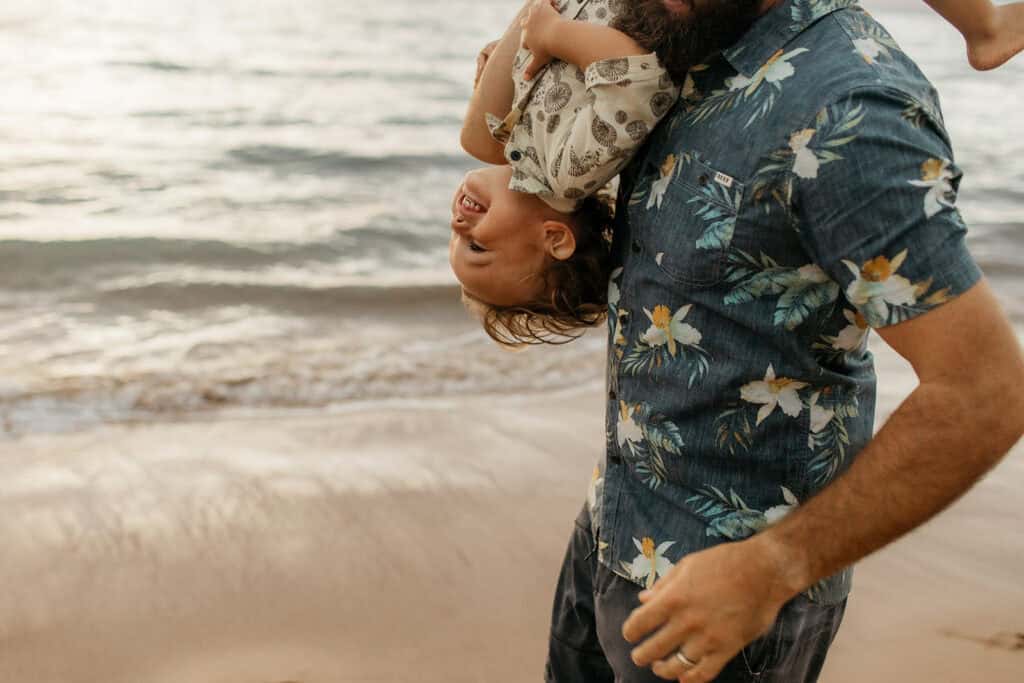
[(571, 131)]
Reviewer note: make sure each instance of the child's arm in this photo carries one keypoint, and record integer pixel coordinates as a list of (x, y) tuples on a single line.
[(629, 95), (548, 36), (493, 94)]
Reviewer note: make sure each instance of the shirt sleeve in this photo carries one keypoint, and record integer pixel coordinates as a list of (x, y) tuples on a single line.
[(627, 97), (874, 196)]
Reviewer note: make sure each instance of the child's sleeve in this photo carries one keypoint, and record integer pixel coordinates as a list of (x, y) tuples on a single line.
[(627, 97)]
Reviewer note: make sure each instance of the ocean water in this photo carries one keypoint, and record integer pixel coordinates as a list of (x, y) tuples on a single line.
[(223, 205)]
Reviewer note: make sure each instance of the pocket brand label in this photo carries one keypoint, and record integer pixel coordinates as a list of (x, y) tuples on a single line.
[(724, 180)]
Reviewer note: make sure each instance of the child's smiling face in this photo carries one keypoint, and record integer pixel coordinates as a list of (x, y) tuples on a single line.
[(502, 241)]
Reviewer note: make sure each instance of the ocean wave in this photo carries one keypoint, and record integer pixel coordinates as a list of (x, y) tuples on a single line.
[(287, 160), (23, 258), (368, 74), (151, 64), (308, 373), (86, 264)]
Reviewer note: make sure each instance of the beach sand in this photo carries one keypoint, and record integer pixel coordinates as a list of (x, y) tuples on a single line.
[(404, 541)]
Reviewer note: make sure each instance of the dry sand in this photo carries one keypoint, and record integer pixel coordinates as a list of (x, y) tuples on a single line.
[(400, 541)]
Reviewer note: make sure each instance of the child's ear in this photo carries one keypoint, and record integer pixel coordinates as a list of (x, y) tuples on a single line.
[(559, 240)]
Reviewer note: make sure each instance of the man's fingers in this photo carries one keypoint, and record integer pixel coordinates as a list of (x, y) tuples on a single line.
[(645, 619), (707, 667), (662, 644), (706, 670), (647, 593)]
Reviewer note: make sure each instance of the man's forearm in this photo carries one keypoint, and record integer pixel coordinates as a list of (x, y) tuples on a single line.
[(582, 43), (940, 441)]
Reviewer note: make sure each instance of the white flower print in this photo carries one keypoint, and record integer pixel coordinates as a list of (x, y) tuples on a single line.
[(851, 337), (613, 287), (805, 164), (651, 562), (771, 392), (628, 430), (868, 49), (670, 329), (812, 273), (937, 176), (820, 417), (596, 480), (737, 82), (774, 514), (877, 286), (660, 186), (775, 70)]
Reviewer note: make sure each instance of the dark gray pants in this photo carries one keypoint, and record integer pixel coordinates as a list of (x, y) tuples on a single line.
[(591, 604)]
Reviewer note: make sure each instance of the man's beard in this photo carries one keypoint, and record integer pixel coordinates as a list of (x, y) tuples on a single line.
[(682, 41)]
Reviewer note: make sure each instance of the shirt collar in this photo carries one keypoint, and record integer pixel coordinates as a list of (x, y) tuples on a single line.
[(776, 29)]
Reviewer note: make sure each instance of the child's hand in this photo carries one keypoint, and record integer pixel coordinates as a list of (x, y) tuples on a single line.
[(537, 28), (481, 60)]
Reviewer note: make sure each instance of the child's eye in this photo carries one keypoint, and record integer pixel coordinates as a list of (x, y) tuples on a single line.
[(473, 246)]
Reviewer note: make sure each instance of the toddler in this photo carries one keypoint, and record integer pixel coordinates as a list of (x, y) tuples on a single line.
[(529, 235)]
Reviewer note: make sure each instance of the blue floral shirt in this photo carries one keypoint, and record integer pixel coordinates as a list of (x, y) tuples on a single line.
[(800, 193)]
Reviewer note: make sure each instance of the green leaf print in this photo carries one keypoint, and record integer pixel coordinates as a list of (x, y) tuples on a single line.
[(720, 221), (806, 152), (652, 471), (664, 436), (803, 298), (733, 429), (728, 516), (659, 437), (756, 278), (645, 358), (802, 291), (805, 11), (831, 441)]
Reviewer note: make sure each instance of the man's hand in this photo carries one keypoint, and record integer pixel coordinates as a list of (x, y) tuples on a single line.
[(537, 26), (481, 60), (709, 605)]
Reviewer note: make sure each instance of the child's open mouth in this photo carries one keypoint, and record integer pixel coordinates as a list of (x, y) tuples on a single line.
[(471, 205)]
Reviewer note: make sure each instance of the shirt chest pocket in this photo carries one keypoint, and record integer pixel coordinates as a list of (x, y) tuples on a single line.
[(685, 214)]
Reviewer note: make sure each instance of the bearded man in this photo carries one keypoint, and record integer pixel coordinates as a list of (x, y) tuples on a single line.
[(801, 192)]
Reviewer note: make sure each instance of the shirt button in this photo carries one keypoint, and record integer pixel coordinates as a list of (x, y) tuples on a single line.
[(703, 180), (612, 395), (636, 247), (614, 458), (516, 155)]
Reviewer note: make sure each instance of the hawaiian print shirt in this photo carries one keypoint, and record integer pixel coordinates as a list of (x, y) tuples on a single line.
[(800, 193), (571, 131)]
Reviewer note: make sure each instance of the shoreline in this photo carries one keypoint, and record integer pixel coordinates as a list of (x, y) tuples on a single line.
[(368, 543)]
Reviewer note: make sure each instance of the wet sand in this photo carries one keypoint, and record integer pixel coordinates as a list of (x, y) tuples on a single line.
[(403, 541)]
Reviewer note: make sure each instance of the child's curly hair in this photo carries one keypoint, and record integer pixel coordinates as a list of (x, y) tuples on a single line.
[(577, 289)]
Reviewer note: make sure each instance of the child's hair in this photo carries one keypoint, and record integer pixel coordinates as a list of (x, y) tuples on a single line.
[(576, 289)]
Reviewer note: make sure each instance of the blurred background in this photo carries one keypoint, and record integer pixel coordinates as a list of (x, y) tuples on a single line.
[(220, 205), (218, 212)]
